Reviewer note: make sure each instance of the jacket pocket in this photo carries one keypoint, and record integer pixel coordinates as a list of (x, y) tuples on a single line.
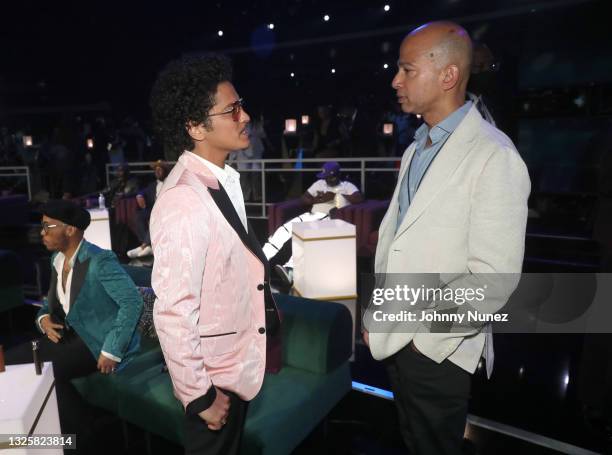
[(218, 335), (215, 344)]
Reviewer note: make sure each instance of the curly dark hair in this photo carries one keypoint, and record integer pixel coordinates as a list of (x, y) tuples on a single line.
[(184, 93)]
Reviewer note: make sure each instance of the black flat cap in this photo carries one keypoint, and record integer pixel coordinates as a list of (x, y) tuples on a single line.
[(67, 212)]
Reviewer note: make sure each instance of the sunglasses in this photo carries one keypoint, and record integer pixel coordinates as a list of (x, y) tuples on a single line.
[(235, 109), (46, 227)]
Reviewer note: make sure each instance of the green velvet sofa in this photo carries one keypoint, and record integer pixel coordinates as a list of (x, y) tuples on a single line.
[(315, 375)]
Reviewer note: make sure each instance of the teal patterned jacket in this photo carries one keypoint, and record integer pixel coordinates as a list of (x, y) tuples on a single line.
[(105, 305)]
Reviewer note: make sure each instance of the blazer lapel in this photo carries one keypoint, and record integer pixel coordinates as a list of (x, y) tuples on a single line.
[(443, 166), (79, 271), (255, 247), (386, 231), (250, 241), (390, 220), (229, 212)]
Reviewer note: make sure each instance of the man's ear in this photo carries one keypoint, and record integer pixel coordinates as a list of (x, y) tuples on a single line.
[(70, 230), (197, 132), (450, 77)]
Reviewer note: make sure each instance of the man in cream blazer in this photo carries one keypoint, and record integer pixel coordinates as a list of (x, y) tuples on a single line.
[(460, 207), (214, 307)]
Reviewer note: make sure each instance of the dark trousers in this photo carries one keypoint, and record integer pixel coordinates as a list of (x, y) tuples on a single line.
[(71, 359), (200, 440), (142, 225), (431, 401)]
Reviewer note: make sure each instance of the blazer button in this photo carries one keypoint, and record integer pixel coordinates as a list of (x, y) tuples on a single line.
[(260, 287), (262, 330)]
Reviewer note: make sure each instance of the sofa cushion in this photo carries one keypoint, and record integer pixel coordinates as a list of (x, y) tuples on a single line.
[(289, 407), (102, 390), (316, 335)]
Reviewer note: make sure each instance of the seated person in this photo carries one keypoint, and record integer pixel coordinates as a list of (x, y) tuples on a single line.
[(89, 317), (145, 200), (123, 185), (325, 195)]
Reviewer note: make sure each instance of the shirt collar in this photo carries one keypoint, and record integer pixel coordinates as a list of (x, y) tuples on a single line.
[(61, 257), (222, 175), (445, 127)]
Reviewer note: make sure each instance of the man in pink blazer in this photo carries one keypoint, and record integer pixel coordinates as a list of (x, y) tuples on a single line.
[(214, 306)]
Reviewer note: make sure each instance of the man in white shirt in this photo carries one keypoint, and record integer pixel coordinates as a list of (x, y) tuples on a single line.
[(214, 310), (325, 195), (89, 316)]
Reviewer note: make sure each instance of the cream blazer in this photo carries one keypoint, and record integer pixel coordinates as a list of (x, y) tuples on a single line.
[(468, 216)]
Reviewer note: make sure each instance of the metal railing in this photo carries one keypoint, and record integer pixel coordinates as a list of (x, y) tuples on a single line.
[(18, 172), (271, 166)]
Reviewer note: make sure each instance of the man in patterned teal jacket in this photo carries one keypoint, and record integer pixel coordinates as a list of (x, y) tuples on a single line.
[(90, 315)]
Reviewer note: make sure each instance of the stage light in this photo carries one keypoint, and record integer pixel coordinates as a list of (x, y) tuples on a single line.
[(388, 129), (305, 119), (326, 18), (387, 8), (333, 70), (271, 26), (27, 141), (90, 143), (385, 66), (220, 33), (290, 125), (292, 74)]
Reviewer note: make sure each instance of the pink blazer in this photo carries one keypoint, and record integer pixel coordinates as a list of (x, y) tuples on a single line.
[(210, 312)]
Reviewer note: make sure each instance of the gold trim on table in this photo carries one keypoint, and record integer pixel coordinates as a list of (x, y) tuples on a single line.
[(328, 299), (325, 238)]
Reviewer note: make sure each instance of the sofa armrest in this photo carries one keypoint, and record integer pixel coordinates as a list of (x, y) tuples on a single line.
[(282, 212), (316, 334), (125, 212)]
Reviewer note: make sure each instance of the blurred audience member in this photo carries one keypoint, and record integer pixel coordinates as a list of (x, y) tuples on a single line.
[(481, 80), (62, 179), (88, 173), (327, 133), (134, 139), (123, 185), (357, 131), (250, 180), (145, 200)]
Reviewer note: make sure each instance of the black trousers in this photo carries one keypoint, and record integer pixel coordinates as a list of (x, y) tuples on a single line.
[(142, 225), (431, 400), (71, 359), (200, 440)]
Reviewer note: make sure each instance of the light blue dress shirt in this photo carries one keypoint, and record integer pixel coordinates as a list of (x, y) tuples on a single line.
[(423, 156)]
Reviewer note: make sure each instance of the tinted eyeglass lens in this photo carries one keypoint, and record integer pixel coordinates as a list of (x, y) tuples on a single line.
[(236, 109)]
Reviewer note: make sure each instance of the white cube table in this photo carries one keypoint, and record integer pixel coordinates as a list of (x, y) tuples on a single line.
[(28, 405), (98, 232), (325, 263), (325, 260)]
